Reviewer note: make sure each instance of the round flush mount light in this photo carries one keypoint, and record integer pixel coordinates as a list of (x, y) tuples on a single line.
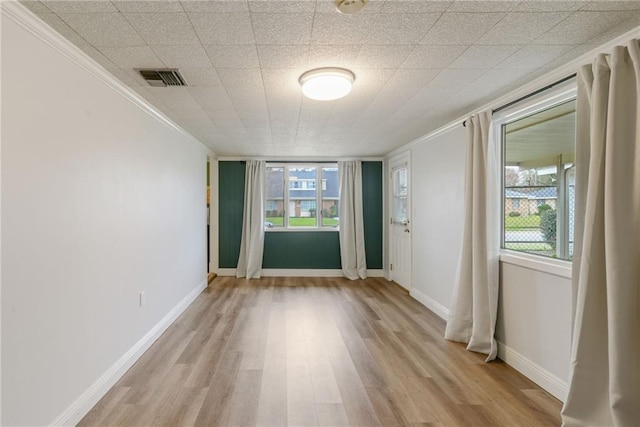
[(349, 6), (326, 84)]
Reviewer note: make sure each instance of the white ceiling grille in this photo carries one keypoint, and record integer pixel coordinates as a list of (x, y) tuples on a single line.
[(162, 77)]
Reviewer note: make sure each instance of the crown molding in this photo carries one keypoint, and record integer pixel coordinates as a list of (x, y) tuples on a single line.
[(30, 22)]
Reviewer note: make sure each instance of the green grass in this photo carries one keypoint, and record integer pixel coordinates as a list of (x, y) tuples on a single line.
[(529, 247), (521, 222), (302, 222)]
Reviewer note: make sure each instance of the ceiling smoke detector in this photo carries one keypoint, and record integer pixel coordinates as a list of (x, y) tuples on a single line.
[(349, 6)]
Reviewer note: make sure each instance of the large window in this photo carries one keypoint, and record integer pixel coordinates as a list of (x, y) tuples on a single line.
[(539, 176), (293, 200)]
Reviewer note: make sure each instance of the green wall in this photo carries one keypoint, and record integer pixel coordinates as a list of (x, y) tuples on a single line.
[(297, 249)]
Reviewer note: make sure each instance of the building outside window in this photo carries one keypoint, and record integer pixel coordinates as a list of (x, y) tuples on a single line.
[(302, 206)]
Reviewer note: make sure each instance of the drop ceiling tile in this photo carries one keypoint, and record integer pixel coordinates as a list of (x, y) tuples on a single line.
[(223, 6), (427, 56), (201, 77), (176, 98), (287, 28), (145, 6), (521, 28), (193, 56), (548, 6), (569, 56), (61, 27), (400, 28), (481, 56), (481, 6), (581, 26), (457, 78), (371, 56), (415, 6), (233, 56), (241, 79), (248, 100), (133, 57), (281, 56), (223, 115), (461, 28), (282, 6), (533, 56), (372, 7), (163, 28), (333, 56), (124, 77), (611, 5), (96, 55), (73, 6), (213, 28), (338, 29), (35, 6), (616, 30), (103, 29), (135, 76), (212, 98)]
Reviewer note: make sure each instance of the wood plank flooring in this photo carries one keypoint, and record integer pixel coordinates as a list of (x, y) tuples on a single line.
[(316, 352)]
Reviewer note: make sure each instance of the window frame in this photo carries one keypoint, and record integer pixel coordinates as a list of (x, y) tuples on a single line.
[(555, 96), (286, 201)]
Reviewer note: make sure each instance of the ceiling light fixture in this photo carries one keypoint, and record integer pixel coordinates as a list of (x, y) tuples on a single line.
[(326, 84), (349, 6)]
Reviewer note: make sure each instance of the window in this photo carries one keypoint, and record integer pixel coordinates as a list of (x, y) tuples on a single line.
[(538, 181), (400, 194), (302, 206)]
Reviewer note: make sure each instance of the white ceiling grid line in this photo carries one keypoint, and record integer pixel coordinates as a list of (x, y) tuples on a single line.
[(418, 63)]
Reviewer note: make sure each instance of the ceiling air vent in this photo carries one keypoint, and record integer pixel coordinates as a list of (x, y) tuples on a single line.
[(162, 77)]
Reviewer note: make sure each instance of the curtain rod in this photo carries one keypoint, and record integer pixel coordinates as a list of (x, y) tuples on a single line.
[(534, 93)]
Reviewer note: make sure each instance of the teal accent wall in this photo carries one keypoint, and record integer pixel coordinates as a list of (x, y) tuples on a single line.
[(301, 249), (230, 206), (297, 249), (372, 212)]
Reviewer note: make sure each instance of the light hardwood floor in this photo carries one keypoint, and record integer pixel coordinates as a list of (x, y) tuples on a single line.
[(316, 351)]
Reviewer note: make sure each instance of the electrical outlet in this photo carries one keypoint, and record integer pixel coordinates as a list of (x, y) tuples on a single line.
[(142, 299)]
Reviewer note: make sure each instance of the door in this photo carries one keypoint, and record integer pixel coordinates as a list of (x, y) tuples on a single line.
[(400, 231)]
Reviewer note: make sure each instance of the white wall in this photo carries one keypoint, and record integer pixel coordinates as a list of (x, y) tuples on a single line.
[(533, 319), (100, 200), (437, 196)]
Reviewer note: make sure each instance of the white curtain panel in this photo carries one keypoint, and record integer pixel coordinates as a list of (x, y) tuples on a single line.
[(352, 253), (472, 317), (604, 386), (252, 245)]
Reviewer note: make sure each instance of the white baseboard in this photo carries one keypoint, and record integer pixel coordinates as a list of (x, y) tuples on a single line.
[(298, 272), (545, 379), (430, 303), (87, 400)]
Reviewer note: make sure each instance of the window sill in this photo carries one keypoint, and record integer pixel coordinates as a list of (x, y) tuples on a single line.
[(553, 266), (294, 230)]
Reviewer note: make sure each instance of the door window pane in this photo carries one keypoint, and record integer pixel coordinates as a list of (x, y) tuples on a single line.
[(400, 192)]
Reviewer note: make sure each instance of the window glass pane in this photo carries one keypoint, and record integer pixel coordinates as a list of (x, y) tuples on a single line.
[(330, 197), (538, 190), (274, 208), (400, 194), (302, 197)]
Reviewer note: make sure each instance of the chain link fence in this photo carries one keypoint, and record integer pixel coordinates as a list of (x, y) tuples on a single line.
[(530, 219)]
